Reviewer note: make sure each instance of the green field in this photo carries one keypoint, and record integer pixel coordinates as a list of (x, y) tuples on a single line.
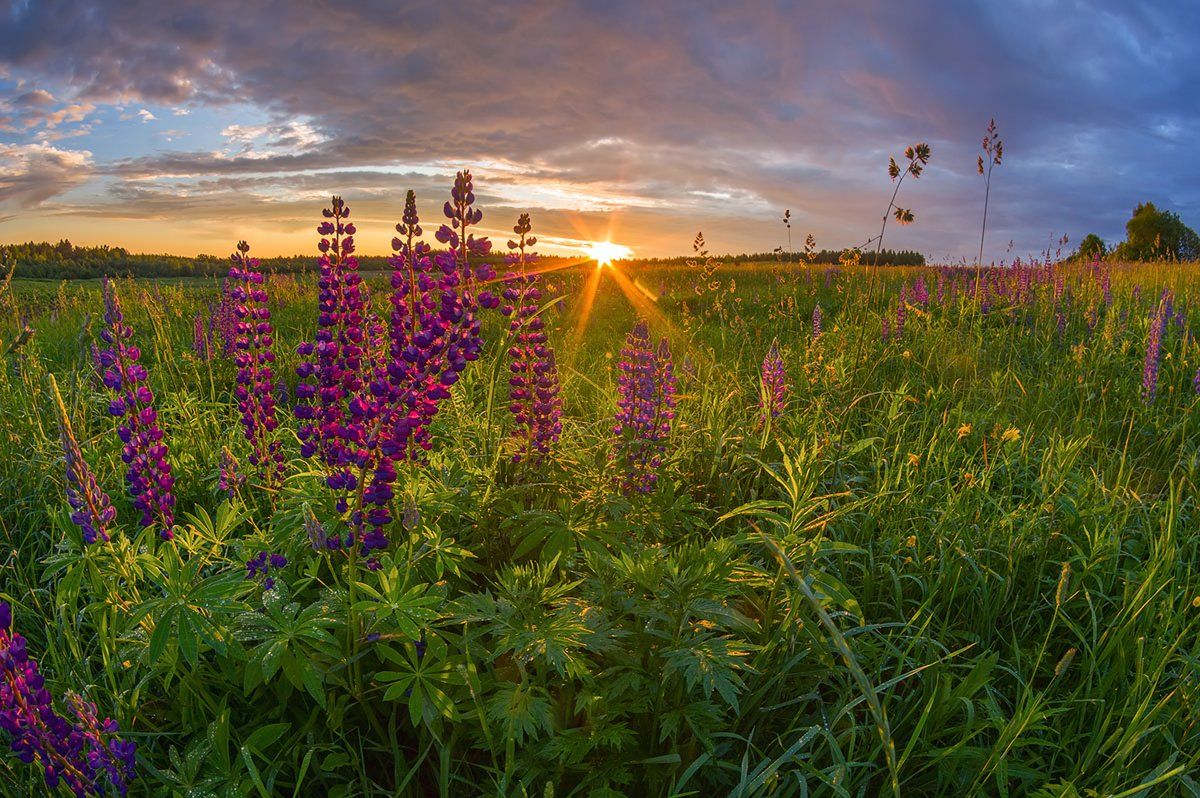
[(963, 561)]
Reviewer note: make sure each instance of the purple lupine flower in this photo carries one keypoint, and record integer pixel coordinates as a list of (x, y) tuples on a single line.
[(229, 475), (315, 530), (92, 510), (773, 390), (885, 332), (338, 403), (533, 393), (463, 298), (1105, 282), (817, 317), (86, 756), (920, 292), (222, 321), (1196, 381), (645, 409), (423, 314), (901, 312), (144, 452), (253, 342), (202, 343), (262, 564), (1158, 324)]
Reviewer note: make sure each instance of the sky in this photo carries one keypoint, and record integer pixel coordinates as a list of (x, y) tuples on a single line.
[(183, 127)]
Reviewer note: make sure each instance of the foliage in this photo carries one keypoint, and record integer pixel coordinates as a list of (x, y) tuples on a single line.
[(960, 563)]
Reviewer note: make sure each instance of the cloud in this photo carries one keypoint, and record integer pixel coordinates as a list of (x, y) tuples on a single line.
[(681, 115), (31, 174), (146, 116)]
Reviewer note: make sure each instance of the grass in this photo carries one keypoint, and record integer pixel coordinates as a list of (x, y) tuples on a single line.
[(963, 562)]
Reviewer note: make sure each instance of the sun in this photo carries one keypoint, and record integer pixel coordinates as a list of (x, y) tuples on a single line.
[(605, 252)]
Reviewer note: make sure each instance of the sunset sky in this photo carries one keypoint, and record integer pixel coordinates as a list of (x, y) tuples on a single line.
[(182, 127)]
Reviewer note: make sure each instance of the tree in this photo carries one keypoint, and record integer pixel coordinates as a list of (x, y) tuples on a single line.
[(1091, 247), (1151, 234)]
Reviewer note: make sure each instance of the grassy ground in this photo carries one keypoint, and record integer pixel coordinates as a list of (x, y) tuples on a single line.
[(963, 561)]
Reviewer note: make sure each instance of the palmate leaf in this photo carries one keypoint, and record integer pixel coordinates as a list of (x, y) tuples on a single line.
[(193, 611), (289, 640), (421, 678), (398, 608)]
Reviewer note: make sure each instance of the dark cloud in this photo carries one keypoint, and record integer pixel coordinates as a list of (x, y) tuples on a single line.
[(692, 114)]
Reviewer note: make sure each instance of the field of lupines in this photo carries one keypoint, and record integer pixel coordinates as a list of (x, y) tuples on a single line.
[(756, 530)]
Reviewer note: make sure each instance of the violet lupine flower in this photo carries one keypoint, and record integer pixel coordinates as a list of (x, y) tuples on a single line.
[(885, 332), (773, 393), (920, 292), (229, 475), (462, 297), (149, 474), (339, 401), (418, 371), (817, 317), (533, 386), (92, 510), (1196, 381), (253, 342), (645, 409), (202, 343), (222, 323), (1158, 324), (86, 755), (261, 565), (901, 312)]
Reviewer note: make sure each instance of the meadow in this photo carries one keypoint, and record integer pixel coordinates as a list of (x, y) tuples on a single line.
[(862, 531)]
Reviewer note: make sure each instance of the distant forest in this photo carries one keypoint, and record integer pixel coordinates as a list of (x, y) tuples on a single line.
[(66, 261)]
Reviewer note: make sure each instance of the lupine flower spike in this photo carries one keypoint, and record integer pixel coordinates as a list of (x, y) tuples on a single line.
[(85, 755), (773, 395), (533, 394), (92, 510), (144, 452), (253, 343), (645, 409)]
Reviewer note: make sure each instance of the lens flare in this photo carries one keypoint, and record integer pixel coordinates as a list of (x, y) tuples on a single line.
[(605, 252)]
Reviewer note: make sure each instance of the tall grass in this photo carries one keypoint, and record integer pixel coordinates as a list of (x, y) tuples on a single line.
[(964, 562)]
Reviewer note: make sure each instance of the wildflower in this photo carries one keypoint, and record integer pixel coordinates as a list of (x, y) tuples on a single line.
[(92, 510), (1158, 323), (149, 475), (229, 475), (963, 431), (773, 393), (534, 387), (261, 565), (914, 460), (646, 407), (1010, 434), (202, 342), (253, 343), (340, 403), (85, 755), (817, 316)]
